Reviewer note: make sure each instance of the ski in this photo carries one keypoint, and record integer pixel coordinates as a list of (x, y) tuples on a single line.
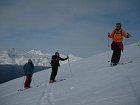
[(59, 80), (38, 85), (21, 89), (123, 63)]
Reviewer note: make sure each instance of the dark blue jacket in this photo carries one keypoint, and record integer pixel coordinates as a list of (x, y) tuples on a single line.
[(28, 68)]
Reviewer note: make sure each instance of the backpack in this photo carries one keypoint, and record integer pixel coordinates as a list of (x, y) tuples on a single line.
[(55, 61), (116, 32), (114, 45)]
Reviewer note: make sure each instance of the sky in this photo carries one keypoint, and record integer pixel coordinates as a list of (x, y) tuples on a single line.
[(76, 27)]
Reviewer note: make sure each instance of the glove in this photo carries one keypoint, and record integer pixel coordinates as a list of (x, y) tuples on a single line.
[(128, 35), (108, 34), (67, 57)]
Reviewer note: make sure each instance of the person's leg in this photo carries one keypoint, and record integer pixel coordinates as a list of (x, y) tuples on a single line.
[(25, 84), (113, 58), (53, 74), (27, 81), (118, 55)]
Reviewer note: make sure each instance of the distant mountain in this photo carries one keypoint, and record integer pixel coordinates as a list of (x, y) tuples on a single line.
[(39, 58)]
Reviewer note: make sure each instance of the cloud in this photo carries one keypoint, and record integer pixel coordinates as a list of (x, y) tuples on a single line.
[(65, 24), (47, 14)]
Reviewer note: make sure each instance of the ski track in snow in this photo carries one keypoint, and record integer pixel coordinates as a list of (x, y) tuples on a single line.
[(8, 94), (47, 96), (22, 90)]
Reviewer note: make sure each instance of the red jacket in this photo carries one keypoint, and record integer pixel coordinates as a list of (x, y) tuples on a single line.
[(55, 60)]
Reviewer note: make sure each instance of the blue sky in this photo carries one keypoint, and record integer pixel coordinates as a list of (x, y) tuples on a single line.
[(68, 26)]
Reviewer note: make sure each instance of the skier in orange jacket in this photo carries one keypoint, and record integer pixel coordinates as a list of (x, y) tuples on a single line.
[(117, 44)]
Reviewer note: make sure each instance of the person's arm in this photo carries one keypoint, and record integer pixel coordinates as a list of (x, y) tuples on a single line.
[(112, 34), (125, 34), (63, 59), (32, 68), (25, 69)]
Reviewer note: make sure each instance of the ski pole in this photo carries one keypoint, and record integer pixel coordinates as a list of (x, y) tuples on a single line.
[(24, 79), (133, 38), (70, 67), (108, 48), (33, 82)]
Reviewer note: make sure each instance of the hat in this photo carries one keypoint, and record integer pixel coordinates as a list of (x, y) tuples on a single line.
[(29, 60), (118, 24), (56, 53)]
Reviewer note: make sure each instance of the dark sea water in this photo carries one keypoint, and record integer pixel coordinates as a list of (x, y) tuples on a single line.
[(9, 72)]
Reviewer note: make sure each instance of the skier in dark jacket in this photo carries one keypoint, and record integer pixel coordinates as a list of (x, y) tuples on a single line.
[(117, 45), (28, 70), (55, 64)]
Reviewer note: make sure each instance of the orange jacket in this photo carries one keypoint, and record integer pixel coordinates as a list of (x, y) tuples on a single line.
[(117, 36)]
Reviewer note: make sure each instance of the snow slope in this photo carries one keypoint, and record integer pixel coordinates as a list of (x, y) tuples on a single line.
[(92, 82)]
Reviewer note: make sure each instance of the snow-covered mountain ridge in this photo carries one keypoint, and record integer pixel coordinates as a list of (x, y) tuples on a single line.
[(13, 56), (90, 81)]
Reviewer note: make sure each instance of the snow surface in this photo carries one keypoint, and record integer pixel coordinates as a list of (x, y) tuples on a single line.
[(89, 81)]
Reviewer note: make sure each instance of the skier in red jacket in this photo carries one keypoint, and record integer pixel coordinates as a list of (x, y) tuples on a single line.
[(55, 64)]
